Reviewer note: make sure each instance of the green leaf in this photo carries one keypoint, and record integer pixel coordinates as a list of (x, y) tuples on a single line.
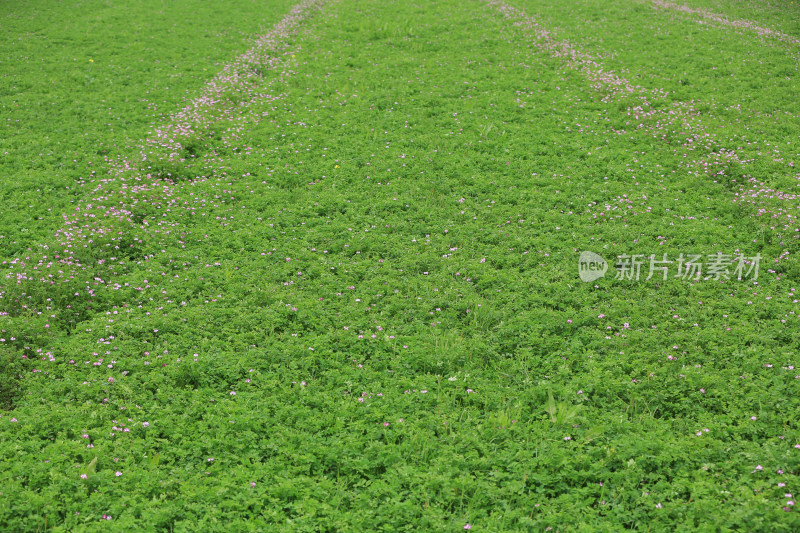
[(92, 467)]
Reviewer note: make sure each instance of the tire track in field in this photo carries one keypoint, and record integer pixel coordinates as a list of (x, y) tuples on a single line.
[(722, 20), (213, 119), (671, 122), (110, 226), (602, 80), (208, 123)]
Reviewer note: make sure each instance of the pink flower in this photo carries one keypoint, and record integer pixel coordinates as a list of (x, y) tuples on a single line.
[(13, 419), (467, 526), (118, 473), (84, 476), (252, 483), (233, 393), (145, 424)]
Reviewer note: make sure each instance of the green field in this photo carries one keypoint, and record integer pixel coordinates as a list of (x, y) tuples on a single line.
[(268, 266)]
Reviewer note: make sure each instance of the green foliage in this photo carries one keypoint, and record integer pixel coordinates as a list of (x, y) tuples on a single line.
[(561, 412), (10, 369), (352, 304)]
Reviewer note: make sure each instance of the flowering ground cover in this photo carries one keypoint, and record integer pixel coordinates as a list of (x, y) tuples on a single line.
[(316, 266)]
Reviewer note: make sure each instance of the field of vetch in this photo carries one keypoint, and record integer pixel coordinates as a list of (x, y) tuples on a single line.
[(313, 265)]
